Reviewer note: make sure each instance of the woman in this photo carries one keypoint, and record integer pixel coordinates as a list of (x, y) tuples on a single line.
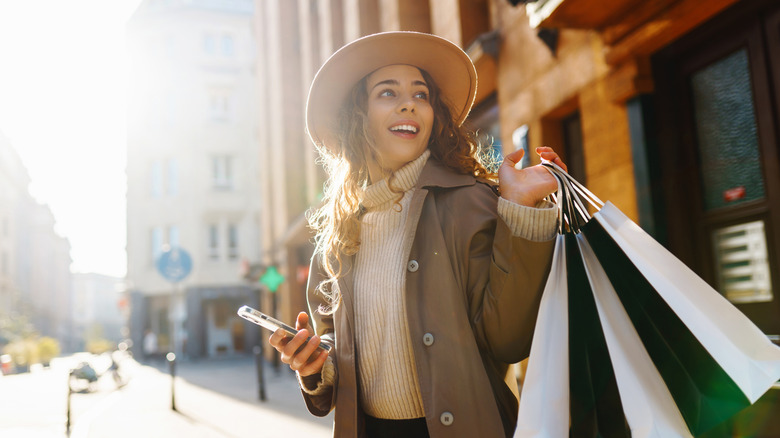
[(424, 281)]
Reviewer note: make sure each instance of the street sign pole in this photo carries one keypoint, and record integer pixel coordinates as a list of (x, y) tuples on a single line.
[(272, 279), (172, 320), (175, 319), (174, 264)]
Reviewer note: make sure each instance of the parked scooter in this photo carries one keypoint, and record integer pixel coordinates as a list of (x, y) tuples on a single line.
[(83, 378)]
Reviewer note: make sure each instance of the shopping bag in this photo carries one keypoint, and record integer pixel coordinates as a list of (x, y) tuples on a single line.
[(595, 407), (562, 347), (702, 390), (683, 358), (544, 404), (649, 407), (740, 347)]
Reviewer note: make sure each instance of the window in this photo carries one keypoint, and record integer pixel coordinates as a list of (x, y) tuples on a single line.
[(170, 109), (742, 263), (170, 46), (520, 141), (485, 122), (223, 45), (157, 179), (233, 241), (222, 172), (227, 45), (165, 178), (159, 242), (727, 133), (156, 243), (571, 127), (219, 105), (209, 43), (213, 242), (173, 236), (173, 177)]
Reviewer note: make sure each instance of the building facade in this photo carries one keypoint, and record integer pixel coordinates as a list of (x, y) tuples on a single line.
[(192, 169), (668, 109), (13, 188), (35, 278)]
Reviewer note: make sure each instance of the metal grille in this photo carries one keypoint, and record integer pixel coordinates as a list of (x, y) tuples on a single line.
[(742, 263)]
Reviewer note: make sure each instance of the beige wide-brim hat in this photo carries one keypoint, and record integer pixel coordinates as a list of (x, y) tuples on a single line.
[(448, 65)]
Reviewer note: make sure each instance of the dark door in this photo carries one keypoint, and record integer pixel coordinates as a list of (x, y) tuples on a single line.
[(717, 92)]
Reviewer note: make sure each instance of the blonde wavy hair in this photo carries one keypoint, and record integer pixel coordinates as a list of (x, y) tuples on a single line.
[(337, 222)]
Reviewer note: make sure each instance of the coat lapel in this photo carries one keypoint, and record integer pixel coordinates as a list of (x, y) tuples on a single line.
[(347, 290)]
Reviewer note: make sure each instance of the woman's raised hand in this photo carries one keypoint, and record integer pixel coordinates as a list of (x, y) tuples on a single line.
[(530, 185), (303, 357)]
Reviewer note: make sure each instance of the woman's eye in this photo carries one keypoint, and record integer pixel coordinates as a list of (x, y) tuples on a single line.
[(421, 95), (386, 93)]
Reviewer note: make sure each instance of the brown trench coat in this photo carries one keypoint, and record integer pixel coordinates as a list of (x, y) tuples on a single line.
[(472, 294)]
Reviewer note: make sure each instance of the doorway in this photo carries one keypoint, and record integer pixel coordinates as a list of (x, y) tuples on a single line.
[(717, 93)]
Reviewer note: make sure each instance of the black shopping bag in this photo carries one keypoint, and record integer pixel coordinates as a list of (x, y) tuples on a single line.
[(594, 400)]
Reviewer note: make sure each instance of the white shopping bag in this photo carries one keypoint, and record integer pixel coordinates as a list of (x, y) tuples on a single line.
[(736, 344), (544, 400)]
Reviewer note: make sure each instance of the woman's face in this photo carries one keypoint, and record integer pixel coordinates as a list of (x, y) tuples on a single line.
[(400, 116)]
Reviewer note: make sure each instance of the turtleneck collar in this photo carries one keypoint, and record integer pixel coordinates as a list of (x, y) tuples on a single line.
[(402, 180)]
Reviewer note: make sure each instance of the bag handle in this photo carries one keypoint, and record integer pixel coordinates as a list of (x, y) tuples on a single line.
[(570, 199), (581, 189), (571, 216)]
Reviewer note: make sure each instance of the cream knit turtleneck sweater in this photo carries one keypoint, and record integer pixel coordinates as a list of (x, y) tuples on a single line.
[(388, 376)]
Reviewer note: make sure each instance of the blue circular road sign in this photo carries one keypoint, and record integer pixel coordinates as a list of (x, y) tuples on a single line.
[(174, 264)]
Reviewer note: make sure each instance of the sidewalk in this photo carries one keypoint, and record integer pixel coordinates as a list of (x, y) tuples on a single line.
[(236, 377), (215, 398)]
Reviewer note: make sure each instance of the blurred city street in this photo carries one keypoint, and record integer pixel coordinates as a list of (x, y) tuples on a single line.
[(214, 398)]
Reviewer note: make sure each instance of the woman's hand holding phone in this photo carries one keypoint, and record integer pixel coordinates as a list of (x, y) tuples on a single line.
[(302, 357)]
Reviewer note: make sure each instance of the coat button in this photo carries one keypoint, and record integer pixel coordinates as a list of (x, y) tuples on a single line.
[(412, 266), (428, 339), (446, 418)]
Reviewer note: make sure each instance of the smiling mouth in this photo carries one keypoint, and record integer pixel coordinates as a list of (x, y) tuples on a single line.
[(404, 129)]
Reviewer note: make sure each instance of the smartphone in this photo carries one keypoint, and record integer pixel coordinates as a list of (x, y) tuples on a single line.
[(270, 323)]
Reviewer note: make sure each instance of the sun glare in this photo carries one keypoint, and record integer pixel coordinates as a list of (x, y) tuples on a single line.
[(63, 87)]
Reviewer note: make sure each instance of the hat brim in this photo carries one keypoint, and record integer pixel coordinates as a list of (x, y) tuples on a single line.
[(449, 66)]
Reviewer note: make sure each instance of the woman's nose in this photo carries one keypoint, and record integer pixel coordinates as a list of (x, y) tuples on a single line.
[(407, 105)]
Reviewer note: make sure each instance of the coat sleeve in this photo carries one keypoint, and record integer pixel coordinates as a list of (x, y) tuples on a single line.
[(324, 400), (506, 277)]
